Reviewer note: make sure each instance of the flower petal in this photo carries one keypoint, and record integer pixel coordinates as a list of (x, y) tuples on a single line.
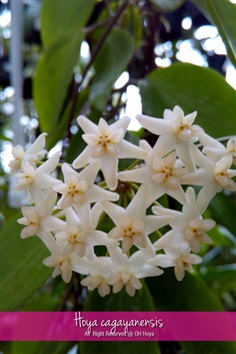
[(109, 165), (87, 125), (156, 126), (84, 158), (129, 150)]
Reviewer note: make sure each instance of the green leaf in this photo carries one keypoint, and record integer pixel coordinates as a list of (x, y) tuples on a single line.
[(43, 301), (21, 269), (62, 35), (222, 14), (6, 348), (222, 277), (53, 75), (62, 127), (192, 88), (168, 5), (112, 59), (219, 238), (208, 347), (133, 23), (191, 294), (119, 347), (223, 211), (41, 347), (142, 301), (58, 17)]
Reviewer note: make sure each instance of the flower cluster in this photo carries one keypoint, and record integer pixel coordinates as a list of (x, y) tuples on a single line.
[(69, 215)]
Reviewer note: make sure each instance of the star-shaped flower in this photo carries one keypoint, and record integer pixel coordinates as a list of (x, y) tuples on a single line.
[(213, 176), (39, 221), (79, 191), (107, 145), (33, 154), (36, 180), (61, 265), (187, 226), (128, 270), (99, 271), (132, 224), (182, 259), (79, 239), (215, 150), (64, 264), (162, 175), (176, 131), (96, 281)]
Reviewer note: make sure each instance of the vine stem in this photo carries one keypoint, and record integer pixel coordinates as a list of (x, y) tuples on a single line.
[(97, 48)]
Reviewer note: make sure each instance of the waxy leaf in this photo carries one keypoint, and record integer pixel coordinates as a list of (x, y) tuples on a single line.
[(60, 17), (41, 347), (223, 277), (62, 35), (194, 89), (223, 211), (21, 268), (112, 59)]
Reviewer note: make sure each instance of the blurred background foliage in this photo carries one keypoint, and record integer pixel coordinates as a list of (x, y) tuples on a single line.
[(108, 59)]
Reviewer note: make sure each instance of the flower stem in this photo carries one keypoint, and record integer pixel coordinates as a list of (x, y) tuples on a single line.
[(135, 163)]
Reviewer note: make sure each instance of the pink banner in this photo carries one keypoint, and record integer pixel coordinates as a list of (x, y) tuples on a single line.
[(118, 326)]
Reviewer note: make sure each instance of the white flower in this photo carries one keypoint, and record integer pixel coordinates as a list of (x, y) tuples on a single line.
[(161, 260), (176, 133), (61, 264), (213, 176), (106, 144), (35, 180), (128, 271), (231, 148), (162, 175), (132, 224), (215, 150), (96, 281), (79, 191), (127, 279), (39, 221), (132, 247), (222, 173), (27, 177), (182, 260), (196, 233), (79, 239), (187, 226), (33, 154), (65, 264), (100, 270), (73, 239), (31, 220)]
